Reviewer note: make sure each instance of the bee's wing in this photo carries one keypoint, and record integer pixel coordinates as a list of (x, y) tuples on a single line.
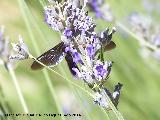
[(111, 45), (71, 63), (50, 58)]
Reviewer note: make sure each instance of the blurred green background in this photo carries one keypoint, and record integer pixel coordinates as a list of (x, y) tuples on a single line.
[(140, 98)]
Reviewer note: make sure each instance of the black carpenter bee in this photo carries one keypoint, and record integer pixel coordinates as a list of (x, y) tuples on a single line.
[(56, 54)]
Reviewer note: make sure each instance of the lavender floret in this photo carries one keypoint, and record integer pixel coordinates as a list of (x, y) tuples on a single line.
[(68, 32)]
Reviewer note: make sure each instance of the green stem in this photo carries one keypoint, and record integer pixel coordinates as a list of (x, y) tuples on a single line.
[(17, 86), (118, 115), (76, 94), (113, 108), (49, 83), (62, 76), (25, 15)]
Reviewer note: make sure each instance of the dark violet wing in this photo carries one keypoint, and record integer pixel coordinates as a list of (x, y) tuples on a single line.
[(111, 45), (71, 63), (51, 57)]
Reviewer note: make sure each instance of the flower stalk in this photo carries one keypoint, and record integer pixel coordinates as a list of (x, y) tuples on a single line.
[(18, 89)]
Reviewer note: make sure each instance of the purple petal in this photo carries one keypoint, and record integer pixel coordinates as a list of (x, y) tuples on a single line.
[(90, 50), (68, 32), (76, 57), (100, 71)]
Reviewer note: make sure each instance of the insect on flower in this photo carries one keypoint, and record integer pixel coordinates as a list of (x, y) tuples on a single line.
[(77, 23), (81, 46), (56, 54)]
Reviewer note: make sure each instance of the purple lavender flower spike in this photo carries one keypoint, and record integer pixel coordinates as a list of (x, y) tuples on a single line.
[(82, 44), (101, 10), (146, 29), (5, 50), (95, 7), (21, 50)]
